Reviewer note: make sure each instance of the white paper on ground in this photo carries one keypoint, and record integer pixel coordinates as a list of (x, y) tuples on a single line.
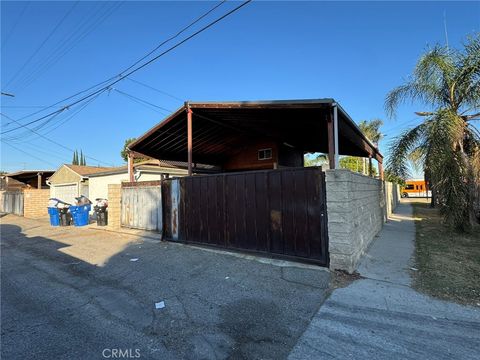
[(160, 305), (134, 259)]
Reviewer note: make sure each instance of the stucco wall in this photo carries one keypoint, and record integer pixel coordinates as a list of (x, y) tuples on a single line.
[(98, 185), (356, 212), (64, 175)]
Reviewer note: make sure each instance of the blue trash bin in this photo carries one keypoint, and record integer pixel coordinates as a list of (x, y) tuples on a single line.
[(54, 216), (80, 214)]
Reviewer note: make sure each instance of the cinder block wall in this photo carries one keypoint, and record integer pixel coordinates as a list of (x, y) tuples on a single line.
[(35, 203), (114, 205), (392, 197), (356, 212)]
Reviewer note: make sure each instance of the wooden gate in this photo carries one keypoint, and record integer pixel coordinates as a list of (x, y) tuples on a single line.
[(142, 205), (277, 212)]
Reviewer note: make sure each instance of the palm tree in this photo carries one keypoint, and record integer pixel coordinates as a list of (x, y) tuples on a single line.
[(446, 143), (371, 129)]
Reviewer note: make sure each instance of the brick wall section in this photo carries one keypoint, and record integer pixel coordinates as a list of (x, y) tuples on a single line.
[(114, 205), (356, 212), (35, 203)]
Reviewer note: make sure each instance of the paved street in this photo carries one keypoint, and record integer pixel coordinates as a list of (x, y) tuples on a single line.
[(382, 317), (75, 293)]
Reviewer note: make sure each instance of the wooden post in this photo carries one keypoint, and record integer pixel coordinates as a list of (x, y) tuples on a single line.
[(189, 140), (39, 180), (130, 167), (380, 170), (331, 141)]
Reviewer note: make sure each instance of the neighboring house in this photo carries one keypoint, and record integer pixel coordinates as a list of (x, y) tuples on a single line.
[(36, 179), (71, 181), (143, 171)]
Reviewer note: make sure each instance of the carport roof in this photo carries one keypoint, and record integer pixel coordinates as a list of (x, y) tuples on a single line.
[(220, 129), (27, 175)]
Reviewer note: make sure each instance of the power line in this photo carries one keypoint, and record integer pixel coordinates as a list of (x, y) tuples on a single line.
[(55, 142), (26, 153), (155, 89), (143, 101), (116, 76), (23, 106), (12, 29), (42, 44), (64, 48), (141, 66)]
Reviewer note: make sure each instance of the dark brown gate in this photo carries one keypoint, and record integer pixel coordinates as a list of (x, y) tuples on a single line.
[(277, 212)]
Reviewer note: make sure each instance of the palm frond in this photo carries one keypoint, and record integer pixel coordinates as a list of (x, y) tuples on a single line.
[(400, 150)]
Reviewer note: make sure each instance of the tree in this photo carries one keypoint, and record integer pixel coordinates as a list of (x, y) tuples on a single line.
[(371, 129), (75, 158), (447, 143), (315, 159), (356, 164), (83, 162), (124, 152)]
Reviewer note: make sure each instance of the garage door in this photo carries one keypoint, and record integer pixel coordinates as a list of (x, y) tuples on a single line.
[(66, 193)]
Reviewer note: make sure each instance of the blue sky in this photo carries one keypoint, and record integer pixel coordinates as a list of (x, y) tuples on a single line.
[(354, 52)]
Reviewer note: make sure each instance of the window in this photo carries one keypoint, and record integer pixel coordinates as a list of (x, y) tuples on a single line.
[(265, 154), (409, 187)]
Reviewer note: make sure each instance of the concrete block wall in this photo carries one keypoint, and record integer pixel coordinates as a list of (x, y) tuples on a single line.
[(392, 197), (356, 212), (114, 205), (35, 203)]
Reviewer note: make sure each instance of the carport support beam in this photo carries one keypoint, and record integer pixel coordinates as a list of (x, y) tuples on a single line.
[(189, 139), (130, 166), (39, 180), (332, 132), (380, 170)]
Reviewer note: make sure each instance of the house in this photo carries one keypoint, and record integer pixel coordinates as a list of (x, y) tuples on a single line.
[(149, 170), (18, 180), (71, 181)]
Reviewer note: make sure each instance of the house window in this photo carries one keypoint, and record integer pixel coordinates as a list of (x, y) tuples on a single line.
[(265, 154)]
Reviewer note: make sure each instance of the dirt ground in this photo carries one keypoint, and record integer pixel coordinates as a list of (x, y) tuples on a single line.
[(447, 262)]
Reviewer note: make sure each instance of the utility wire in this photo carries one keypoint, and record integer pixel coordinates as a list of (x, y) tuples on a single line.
[(121, 77), (12, 29), (53, 141), (155, 89), (42, 44), (143, 101), (75, 38), (26, 153)]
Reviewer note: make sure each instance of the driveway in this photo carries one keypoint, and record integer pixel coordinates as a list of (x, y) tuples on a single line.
[(79, 293), (382, 317)]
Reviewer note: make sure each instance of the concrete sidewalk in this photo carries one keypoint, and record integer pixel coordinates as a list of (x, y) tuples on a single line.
[(382, 317)]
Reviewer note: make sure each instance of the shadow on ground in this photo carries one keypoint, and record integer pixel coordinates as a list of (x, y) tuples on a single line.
[(216, 306)]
